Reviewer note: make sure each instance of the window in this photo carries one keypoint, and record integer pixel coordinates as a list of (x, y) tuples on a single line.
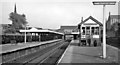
[(87, 30), (92, 32), (96, 32), (83, 30), (68, 31)]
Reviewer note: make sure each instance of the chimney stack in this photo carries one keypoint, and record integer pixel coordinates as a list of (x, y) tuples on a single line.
[(81, 19)]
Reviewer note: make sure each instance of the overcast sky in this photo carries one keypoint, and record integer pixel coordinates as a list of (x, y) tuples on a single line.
[(54, 13)]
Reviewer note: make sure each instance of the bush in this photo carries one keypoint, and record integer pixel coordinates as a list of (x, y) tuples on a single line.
[(13, 41)]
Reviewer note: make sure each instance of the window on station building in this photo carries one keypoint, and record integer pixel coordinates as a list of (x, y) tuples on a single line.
[(96, 31), (87, 30), (92, 30), (83, 30)]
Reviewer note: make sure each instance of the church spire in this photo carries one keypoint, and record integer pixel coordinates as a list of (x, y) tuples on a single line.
[(109, 13), (15, 11)]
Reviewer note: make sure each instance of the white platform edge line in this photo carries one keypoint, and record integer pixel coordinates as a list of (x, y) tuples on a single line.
[(63, 54)]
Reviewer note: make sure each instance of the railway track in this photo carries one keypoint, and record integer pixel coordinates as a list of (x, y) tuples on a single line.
[(48, 55), (51, 57), (54, 57), (25, 53)]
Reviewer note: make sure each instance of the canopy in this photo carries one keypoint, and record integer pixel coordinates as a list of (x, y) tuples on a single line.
[(34, 30)]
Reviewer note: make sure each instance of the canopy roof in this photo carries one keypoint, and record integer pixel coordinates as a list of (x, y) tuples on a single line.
[(34, 30), (75, 33)]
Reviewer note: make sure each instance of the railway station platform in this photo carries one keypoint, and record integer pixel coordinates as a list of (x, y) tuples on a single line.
[(12, 47), (79, 54)]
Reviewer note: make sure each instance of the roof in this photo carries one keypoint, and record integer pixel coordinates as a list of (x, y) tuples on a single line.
[(75, 33), (90, 17), (68, 27), (1, 25), (40, 31), (115, 16)]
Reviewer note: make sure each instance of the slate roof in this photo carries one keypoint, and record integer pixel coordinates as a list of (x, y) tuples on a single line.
[(115, 16), (68, 27), (90, 17)]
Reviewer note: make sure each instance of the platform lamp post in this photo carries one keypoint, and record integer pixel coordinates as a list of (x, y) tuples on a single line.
[(104, 3)]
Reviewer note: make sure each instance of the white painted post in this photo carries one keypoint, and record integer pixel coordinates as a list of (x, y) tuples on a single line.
[(39, 37), (104, 33), (104, 23), (25, 34)]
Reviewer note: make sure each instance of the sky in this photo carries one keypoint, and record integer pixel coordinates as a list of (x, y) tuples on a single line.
[(54, 13)]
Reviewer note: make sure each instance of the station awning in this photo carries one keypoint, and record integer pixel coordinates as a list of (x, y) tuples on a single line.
[(75, 33), (34, 30)]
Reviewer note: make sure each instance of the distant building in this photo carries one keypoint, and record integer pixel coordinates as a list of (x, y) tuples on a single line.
[(4, 27), (69, 31), (90, 28), (112, 25)]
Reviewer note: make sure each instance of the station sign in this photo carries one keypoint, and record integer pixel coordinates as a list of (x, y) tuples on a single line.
[(104, 2)]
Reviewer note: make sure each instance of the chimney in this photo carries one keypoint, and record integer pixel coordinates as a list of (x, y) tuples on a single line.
[(81, 19)]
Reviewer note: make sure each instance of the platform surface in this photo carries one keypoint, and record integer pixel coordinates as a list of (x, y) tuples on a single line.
[(78, 54), (12, 47)]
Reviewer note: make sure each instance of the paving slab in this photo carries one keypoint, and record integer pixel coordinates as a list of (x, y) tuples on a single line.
[(79, 54), (11, 47)]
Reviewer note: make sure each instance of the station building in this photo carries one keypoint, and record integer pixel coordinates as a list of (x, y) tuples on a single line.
[(91, 29)]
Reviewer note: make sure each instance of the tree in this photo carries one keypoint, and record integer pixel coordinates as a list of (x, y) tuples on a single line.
[(7, 28), (118, 32), (18, 21)]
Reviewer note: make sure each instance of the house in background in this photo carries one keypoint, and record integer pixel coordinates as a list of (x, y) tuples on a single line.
[(112, 25), (90, 28), (4, 28)]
